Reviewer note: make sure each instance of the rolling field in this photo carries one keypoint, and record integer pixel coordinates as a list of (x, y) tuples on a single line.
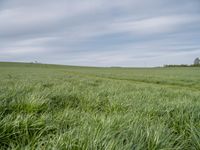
[(64, 107)]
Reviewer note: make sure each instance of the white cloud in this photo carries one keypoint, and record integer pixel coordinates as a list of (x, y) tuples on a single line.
[(160, 24), (99, 32)]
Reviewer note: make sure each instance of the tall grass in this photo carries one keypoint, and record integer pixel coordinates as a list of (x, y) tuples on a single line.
[(58, 107)]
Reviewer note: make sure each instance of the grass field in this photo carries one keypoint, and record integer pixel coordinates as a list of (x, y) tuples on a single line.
[(64, 107)]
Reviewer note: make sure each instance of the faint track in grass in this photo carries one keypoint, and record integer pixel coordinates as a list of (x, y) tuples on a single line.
[(169, 85)]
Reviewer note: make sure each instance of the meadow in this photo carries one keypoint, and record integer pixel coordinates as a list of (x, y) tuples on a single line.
[(65, 107)]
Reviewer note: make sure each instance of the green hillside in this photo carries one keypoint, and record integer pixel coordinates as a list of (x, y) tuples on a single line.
[(67, 107)]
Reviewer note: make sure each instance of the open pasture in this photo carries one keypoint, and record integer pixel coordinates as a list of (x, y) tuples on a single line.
[(64, 107)]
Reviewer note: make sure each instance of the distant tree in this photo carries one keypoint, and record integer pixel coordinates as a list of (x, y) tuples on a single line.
[(182, 65), (197, 61)]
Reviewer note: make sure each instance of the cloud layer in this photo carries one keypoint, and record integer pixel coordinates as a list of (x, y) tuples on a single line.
[(100, 32)]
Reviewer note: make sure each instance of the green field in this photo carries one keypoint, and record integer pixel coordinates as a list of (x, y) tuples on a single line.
[(64, 107)]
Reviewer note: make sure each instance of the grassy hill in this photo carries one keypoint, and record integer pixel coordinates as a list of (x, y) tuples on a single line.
[(66, 107)]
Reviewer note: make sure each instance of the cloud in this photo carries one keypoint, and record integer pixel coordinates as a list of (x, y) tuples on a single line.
[(100, 32), (158, 25)]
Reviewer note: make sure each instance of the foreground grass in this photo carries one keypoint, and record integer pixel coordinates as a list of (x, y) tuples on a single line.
[(59, 107)]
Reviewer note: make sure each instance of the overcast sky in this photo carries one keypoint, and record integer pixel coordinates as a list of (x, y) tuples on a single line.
[(100, 32)]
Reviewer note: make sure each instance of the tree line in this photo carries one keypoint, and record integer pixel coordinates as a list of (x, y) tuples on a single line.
[(196, 64)]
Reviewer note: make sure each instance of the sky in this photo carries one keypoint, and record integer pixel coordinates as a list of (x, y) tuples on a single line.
[(129, 33)]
